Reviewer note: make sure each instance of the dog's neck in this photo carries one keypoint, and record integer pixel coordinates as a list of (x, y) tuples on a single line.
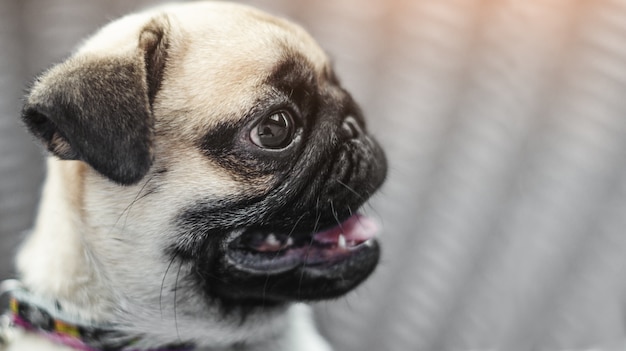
[(59, 275), (54, 261), (47, 319)]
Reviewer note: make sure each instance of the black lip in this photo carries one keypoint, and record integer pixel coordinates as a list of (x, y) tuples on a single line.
[(307, 253), (294, 281)]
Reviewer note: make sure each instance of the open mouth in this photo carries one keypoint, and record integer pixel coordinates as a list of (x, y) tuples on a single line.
[(260, 264), (263, 251)]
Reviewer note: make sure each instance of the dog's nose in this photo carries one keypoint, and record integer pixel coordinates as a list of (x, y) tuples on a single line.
[(350, 128)]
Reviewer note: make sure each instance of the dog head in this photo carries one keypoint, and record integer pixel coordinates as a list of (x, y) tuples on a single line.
[(218, 167)]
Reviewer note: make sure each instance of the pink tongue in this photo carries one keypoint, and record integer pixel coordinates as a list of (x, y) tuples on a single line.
[(357, 228)]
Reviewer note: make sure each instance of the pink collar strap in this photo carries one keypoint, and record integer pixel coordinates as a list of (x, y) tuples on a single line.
[(26, 314)]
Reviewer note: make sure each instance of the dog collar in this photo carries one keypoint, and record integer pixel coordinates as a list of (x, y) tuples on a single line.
[(26, 313)]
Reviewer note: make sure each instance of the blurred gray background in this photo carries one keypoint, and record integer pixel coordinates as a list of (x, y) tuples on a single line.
[(505, 126)]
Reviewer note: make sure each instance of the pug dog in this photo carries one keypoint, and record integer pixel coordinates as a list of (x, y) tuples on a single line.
[(205, 177)]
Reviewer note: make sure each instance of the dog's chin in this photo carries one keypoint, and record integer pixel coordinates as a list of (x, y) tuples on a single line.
[(258, 265)]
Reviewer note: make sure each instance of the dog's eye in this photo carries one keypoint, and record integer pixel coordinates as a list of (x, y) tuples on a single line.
[(274, 132)]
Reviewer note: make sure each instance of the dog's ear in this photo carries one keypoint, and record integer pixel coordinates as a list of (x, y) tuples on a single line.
[(98, 108)]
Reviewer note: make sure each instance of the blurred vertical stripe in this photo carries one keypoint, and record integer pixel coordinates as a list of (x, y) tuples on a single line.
[(505, 126), (20, 169)]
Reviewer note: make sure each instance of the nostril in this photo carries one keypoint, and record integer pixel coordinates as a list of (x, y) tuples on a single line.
[(350, 128)]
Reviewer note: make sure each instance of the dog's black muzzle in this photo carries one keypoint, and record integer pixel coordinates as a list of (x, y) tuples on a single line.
[(302, 241)]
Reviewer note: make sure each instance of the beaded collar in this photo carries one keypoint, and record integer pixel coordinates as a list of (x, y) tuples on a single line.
[(26, 313)]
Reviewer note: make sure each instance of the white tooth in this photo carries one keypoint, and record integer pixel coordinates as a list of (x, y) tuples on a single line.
[(341, 243), (272, 241), (289, 241)]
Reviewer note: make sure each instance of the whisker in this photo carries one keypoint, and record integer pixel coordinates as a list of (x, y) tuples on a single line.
[(358, 218), (334, 212), (137, 198), (128, 207), (295, 225), (180, 266), (351, 190), (267, 276), (317, 220), (214, 277), (163, 283), (362, 197), (374, 210)]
